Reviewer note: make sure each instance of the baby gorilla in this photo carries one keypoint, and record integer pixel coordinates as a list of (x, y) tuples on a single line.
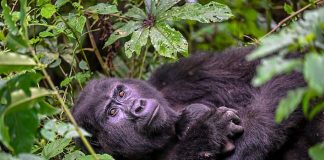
[(131, 120)]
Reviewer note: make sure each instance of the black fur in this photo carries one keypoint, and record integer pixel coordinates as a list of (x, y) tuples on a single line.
[(213, 80)]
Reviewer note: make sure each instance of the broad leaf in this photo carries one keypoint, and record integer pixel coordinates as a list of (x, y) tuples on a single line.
[(288, 104), (314, 71), (77, 23), (8, 17), (124, 31), (317, 152), (274, 66), (136, 13), (74, 155), (10, 62), (164, 5), (211, 12), (16, 43), (54, 148), (103, 8), (60, 3), (48, 10), (138, 40), (22, 129), (167, 41)]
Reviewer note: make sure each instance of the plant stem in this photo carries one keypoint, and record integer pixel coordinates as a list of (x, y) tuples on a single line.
[(96, 51), (143, 61), (288, 18)]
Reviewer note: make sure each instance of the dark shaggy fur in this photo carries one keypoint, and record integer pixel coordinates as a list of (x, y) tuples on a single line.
[(213, 80)]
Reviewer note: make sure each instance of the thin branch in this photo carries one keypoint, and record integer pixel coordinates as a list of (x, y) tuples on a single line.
[(289, 17), (96, 50)]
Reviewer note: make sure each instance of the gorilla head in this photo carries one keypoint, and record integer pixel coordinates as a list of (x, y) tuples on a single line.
[(129, 117)]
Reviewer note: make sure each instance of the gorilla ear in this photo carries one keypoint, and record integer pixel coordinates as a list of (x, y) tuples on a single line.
[(189, 117)]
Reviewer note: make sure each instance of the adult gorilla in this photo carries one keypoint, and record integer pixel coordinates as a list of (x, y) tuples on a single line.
[(168, 118)]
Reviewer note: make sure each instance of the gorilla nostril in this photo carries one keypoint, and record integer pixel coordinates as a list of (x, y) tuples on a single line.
[(139, 109)]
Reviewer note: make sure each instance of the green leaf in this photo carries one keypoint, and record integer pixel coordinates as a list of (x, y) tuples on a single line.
[(74, 155), (272, 44), (46, 109), (46, 34), (11, 62), (8, 17), (103, 8), (138, 40), (60, 3), (314, 71), (20, 101), (211, 12), (317, 152), (167, 41), (6, 156), (77, 23), (274, 66), (54, 148), (124, 31), (25, 156), (22, 129), (83, 65), (16, 43), (288, 104), (164, 5), (101, 157), (136, 13), (48, 10), (288, 8)]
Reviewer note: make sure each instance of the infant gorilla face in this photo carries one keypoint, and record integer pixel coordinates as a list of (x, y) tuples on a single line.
[(127, 118)]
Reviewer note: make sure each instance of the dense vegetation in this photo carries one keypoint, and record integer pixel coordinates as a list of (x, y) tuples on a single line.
[(49, 49)]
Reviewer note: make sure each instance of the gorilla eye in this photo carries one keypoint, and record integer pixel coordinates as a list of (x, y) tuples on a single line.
[(121, 94), (113, 112)]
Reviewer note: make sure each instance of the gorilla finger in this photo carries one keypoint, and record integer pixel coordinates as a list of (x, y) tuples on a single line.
[(231, 116), (223, 109), (234, 130)]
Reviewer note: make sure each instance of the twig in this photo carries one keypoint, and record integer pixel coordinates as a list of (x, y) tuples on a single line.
[(96, 51), (289, 17)]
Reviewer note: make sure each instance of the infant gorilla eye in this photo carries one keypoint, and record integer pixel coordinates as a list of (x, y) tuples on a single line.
[(121, 94), (113, 112)]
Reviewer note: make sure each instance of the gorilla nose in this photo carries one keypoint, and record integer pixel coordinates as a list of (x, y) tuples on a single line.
[(141, 107)]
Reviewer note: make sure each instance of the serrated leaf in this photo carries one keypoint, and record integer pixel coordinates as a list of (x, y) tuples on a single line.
[(164, 5), (317, 152), (54, 148), (60, 3), (138, 40), (11, 62), (314, 71), (8, 17), (167, 41), (211, 12), (274, 66), (101, 157), (288, 104), (77, 23), (48, 10), (124, 31), (103, 8), (136, 13)]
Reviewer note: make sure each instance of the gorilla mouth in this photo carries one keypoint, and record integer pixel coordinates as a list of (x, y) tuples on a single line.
[(155, 112)]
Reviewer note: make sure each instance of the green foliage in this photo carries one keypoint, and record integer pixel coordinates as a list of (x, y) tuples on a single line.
[(317, 152), (54, 148)]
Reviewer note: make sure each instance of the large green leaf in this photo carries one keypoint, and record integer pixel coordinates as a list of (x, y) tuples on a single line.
[(138, 40), (136, 13), (10, 62), (124, 31), (22, 129), (77, 23), (103, 8), (211, 12), (288, 104), (54, 148), (167, 41), (8, 17), (274, 66), (48, 10), (314, 71), (101, 157), (317, 152)]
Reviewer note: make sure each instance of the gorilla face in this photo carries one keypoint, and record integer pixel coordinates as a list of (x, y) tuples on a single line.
[(127, 118)]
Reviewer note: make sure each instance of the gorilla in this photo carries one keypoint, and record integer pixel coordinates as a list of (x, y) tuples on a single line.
[(195, 109)]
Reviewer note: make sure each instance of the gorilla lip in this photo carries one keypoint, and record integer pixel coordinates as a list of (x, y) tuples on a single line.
[(154, 114)]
